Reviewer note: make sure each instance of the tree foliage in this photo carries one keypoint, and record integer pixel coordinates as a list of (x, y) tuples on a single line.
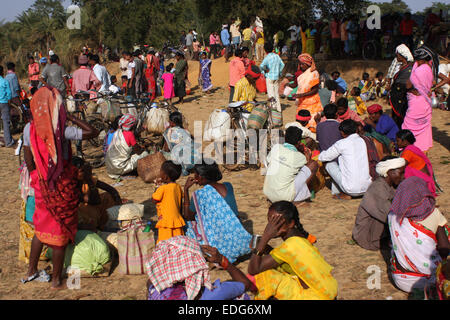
[(121, 24)]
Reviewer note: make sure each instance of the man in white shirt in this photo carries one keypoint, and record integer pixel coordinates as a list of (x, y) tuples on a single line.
[(444, 68), (100, 72), (289, 171), (124, 64), (350, 175), (131, 75)]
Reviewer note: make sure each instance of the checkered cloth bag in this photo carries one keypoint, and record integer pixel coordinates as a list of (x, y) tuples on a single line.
[(134, 247), (176, 260)]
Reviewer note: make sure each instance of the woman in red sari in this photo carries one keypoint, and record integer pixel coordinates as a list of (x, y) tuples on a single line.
[(151, 72), (54, 179)]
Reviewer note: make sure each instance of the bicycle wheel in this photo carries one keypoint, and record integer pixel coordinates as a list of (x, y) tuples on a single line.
[(239, 142), (100, 126), (369, 51)]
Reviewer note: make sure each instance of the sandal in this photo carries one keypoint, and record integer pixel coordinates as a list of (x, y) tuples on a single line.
[(40, 276), (341, 197)]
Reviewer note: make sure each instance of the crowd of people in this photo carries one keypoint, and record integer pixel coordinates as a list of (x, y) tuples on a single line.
[(338, 134), (338, 38)]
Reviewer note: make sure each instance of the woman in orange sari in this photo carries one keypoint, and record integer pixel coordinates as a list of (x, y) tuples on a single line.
[(54, 179), (308, 88)]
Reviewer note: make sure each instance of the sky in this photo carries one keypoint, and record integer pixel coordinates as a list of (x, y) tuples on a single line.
[(10, 9)]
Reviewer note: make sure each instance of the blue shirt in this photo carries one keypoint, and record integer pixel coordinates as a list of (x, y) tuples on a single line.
[(5, 91), (11, 77), (341, 82), (225, 37), (387, 126), (275, 65)]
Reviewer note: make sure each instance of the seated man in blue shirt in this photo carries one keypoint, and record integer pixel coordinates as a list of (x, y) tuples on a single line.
[(341, 84), (382, 123)]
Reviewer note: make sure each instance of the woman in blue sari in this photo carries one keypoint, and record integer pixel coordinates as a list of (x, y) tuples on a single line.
[(179, 144), (205, 72), (212, 213)]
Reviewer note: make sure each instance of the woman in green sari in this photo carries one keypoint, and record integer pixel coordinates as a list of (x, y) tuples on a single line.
[(180, 77)]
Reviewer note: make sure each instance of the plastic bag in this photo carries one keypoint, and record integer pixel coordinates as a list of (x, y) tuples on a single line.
[(216, 128), (127, 211), (90, 253), (156, 120)]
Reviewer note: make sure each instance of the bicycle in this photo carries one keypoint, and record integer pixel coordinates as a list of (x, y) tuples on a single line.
[(98, 120), (243, 141)]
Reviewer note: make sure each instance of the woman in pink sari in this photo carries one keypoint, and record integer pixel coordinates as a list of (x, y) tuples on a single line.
[(418, 116)]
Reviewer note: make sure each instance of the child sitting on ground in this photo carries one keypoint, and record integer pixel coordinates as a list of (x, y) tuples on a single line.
[(168, 88), (302, 120), (168, 197), (92, 213), (366, 87), (380, 85), (355, 102), (113, 87)]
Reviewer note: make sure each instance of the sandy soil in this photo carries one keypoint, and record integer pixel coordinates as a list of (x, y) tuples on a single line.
[(331, 221)]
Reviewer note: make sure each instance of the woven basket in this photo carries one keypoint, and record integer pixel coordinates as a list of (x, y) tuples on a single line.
[(257, 118), (148, 168), (277, 118)]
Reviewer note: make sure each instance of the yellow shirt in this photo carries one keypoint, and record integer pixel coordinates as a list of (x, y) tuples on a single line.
[(169, 206), (261, 40), (244, 91), (247, 34)]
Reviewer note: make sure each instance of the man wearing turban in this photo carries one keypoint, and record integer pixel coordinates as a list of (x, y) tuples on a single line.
[(370, 230)]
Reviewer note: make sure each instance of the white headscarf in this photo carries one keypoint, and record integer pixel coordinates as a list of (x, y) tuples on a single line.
[(384, 166), (404, 51)]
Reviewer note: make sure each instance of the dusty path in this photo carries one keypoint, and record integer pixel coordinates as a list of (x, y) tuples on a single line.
[(331, 221)]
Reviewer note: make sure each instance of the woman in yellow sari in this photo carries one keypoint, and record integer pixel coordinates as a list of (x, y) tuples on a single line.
[(308, 88), (295, 270)]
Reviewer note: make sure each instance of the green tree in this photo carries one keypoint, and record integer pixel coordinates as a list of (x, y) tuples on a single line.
[(436, 7), (395, 6)]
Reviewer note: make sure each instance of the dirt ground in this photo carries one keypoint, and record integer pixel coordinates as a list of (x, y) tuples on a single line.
[(331, 221)]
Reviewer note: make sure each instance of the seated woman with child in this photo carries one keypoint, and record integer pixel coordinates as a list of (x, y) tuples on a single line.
[(179, 144)]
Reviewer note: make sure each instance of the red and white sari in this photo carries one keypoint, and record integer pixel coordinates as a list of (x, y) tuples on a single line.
[(414, 249)]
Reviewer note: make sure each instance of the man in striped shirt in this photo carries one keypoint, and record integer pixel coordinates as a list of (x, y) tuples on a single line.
[(272, 66)]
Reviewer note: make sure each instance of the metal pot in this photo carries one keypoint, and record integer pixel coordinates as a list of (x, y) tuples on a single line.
[(434, 101)]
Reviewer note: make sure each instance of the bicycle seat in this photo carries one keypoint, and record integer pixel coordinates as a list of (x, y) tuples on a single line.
[(237, 104)]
